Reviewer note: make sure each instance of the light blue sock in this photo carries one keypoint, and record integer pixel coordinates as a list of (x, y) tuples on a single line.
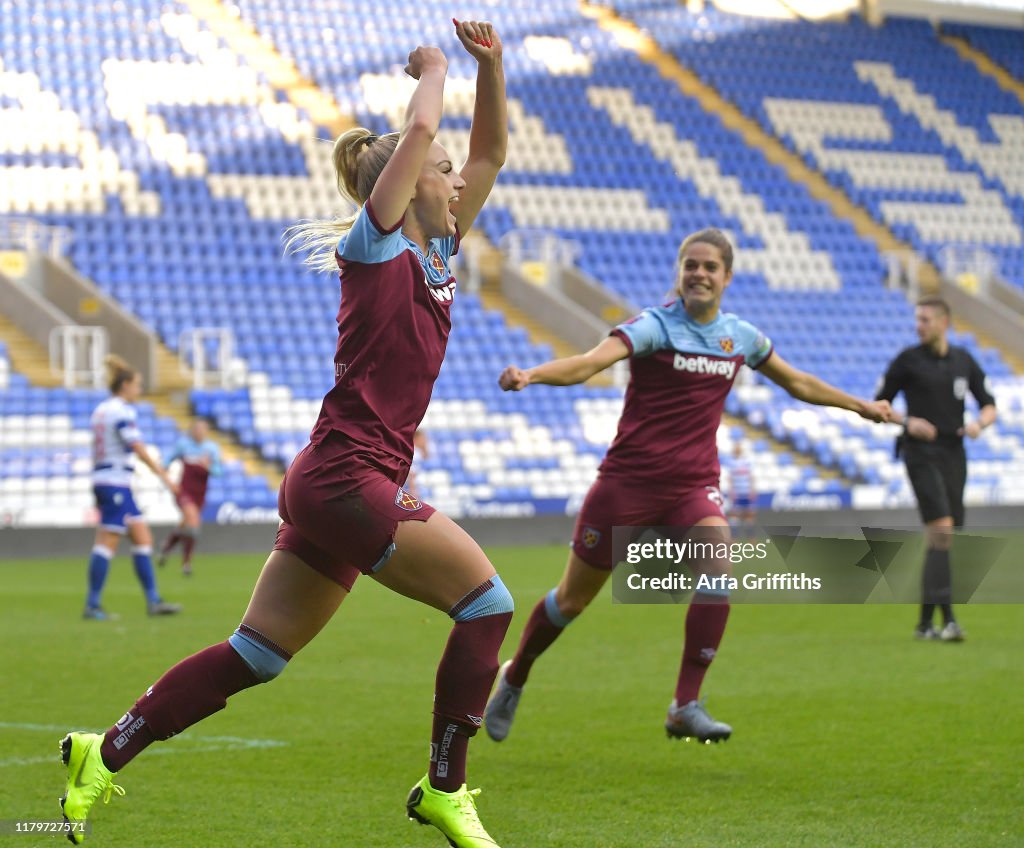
[(555, 615), (142, 559), (99, 565)]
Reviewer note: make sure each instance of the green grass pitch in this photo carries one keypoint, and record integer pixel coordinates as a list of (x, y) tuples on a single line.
[(846, 731)]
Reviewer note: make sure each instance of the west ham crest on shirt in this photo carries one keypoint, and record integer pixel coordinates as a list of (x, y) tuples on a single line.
[(726, 344), (406, 501), (591, 537), (437, 271)]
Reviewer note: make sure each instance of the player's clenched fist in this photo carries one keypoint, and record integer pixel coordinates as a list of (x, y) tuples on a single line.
[(877, 410), (424, 59), (513, 379)]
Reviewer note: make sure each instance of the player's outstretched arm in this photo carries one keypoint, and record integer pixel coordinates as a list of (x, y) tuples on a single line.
[(397, 182), (568, 371), (154, 466), (488, 136), (811, 389)]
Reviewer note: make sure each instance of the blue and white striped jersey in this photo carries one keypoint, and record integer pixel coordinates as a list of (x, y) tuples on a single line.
[(114, 431)]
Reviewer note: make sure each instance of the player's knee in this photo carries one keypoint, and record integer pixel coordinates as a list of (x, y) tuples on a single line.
[(489, 598), (940, 536), (265, 659)]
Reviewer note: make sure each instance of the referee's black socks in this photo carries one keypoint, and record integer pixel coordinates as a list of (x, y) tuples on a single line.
[(936, 586)]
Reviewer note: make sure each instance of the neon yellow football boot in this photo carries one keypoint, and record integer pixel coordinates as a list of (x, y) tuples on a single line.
[(452, 813), (88, 779)]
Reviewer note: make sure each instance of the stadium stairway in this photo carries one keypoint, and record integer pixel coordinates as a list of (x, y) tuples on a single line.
[(27, 356), (264, 57), (632, 37), (984, 64)]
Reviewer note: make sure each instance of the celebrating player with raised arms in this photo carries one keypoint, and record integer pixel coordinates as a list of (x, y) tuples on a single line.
[(662, 468), (343, 508)]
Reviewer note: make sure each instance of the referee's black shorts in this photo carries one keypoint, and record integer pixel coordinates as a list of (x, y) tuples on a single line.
[(938, 474)]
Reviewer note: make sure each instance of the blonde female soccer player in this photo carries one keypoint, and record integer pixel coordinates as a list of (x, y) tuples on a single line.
[(344, 510)]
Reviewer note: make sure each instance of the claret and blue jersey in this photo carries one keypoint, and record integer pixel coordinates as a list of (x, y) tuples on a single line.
[(681, 372), (201, 460), (393, 326)]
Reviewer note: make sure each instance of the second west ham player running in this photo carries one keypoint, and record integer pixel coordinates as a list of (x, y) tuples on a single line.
[(200, 460), (662, 468)]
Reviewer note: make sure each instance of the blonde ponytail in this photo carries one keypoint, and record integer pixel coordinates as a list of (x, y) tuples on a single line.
[(359, 156)]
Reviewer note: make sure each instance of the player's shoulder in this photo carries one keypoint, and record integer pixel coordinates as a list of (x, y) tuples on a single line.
[(669, 314), (732, 322), (115, 406), (745, 335)]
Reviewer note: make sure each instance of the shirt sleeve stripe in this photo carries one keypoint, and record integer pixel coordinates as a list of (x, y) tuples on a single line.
[(621, 335), (764, 359), (376, 224)]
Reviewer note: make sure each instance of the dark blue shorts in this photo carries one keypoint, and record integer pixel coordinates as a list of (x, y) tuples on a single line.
[(117, 507)]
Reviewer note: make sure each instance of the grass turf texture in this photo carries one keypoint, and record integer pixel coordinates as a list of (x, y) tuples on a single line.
[(846, 731)]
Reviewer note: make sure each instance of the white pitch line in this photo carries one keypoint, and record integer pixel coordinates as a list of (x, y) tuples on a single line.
[(183, 745)]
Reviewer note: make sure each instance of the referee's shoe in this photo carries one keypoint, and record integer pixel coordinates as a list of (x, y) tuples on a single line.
[(952, 632)]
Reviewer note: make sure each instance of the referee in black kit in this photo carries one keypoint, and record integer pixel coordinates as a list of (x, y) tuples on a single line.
[(935, 377)]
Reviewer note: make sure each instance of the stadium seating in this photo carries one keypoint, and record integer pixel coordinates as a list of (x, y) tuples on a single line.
[(186, 164), (46, 458), (1002, 45)]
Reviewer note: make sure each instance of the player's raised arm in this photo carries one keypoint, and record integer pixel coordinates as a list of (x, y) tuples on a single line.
[(396, 184), (568, 371), (811, 389), (488, 136)]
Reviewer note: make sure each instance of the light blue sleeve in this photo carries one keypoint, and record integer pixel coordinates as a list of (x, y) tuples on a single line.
[(755, 346), (367, 244), (216, 467), (643, 334), (177, 452)]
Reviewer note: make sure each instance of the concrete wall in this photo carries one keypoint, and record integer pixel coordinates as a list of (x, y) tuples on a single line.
[(552, 309), (998, 320), (79, 298), (984, 12), (30, 311), (258, 539)]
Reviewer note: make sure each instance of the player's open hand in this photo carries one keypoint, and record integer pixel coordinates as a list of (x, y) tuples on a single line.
[(876, 410), (480, 39), (513, 379), (423, 59)]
